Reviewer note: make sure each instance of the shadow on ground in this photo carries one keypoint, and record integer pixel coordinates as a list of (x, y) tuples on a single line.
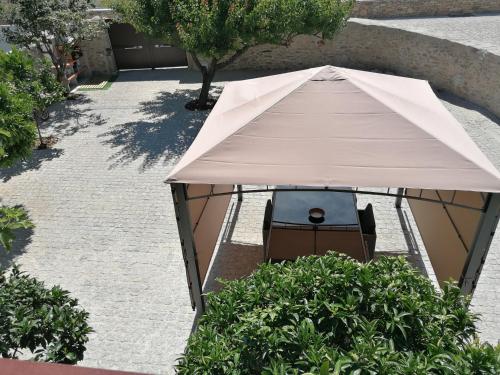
[(164, 132), (22, 240), (66, 119), (462, 103), (33, 163), (233, 260), (188, 76), (414, 256), (70, 117)]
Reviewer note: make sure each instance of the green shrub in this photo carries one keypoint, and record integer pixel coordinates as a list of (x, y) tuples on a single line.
[(17, 128), (331, 314), (31, 76), (11, 219), (46, 322)]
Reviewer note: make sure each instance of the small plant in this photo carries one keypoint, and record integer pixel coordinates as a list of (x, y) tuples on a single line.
[(12, 218), (333, 315), (46, 322)]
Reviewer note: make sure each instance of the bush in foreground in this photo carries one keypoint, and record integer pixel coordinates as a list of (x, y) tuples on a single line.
[(330, 314), (44, 322)]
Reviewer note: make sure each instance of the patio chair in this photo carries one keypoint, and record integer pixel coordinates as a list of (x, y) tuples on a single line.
[(266, 225), (368, 228)]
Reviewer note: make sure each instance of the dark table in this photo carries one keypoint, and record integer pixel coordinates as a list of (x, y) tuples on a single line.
[(294, 234), (292, 207)]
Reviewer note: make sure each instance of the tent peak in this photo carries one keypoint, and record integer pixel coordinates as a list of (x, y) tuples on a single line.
[(329, 73)]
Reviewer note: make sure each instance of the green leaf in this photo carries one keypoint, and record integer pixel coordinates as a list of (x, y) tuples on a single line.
[(325, 368)]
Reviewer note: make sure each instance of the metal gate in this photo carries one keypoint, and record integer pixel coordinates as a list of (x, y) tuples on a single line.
[(135, 50)]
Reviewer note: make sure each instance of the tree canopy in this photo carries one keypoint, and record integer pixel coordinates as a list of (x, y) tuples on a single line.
[(53, 27), (33, 76), (216, 33), (333, 315)]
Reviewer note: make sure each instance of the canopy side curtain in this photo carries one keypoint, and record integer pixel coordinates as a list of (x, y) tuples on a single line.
[(199, 222), (456, 239)]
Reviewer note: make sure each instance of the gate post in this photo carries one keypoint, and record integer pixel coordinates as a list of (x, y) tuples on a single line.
[(179, 195), (479, 249)]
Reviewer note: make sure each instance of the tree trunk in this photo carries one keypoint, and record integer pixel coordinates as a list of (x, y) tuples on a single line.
[(61, 77), (208, 76), (58, 62), (36, 116), (205, 89)]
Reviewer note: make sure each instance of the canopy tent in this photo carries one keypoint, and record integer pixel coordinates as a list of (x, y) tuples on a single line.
[(331, 127)]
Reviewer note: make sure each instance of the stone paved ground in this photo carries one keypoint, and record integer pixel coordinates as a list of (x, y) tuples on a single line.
[(482, 32), (105, 228), (484, 129)]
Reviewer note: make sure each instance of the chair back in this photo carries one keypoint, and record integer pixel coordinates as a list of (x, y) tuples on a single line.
[(368, 220), (266, 225), (368, 227)]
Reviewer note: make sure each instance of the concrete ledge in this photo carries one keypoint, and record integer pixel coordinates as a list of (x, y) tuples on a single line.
[(465, 71), (413, 8)]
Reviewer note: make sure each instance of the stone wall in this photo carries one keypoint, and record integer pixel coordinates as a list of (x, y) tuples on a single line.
[(4, 45), (465, 71), (98, 57), (412, 8)]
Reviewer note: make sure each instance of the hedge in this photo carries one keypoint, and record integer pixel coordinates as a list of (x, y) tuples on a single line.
[(331, 314), (43, 323)]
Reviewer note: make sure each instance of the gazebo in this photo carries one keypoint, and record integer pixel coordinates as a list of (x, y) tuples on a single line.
[(329, 128)]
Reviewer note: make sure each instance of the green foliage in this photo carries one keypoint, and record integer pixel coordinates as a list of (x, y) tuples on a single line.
[(17, 128), (31, 76), (12, 218), (332, 315), (47, 322), (213, 29), (39, 23), (221, 30)]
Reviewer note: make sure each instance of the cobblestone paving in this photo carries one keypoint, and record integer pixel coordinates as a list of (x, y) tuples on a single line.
[(482, 32), (484, 129), (105, 228)]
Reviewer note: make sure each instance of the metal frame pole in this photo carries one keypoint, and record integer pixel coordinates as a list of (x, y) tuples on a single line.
[(240, 192), (179, 195), (374, 193), (479, 249), (399, 198)]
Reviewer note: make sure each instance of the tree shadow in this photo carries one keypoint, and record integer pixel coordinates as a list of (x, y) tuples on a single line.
[(21, 242), (71, 116), (33, 163), (165, 131)]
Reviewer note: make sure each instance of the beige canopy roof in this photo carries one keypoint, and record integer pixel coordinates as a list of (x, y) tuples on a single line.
[(331, 126)]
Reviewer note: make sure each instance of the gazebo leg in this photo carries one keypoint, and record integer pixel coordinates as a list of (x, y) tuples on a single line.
[(399, 199), (179, 195), (240, 192), (484, 235)]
